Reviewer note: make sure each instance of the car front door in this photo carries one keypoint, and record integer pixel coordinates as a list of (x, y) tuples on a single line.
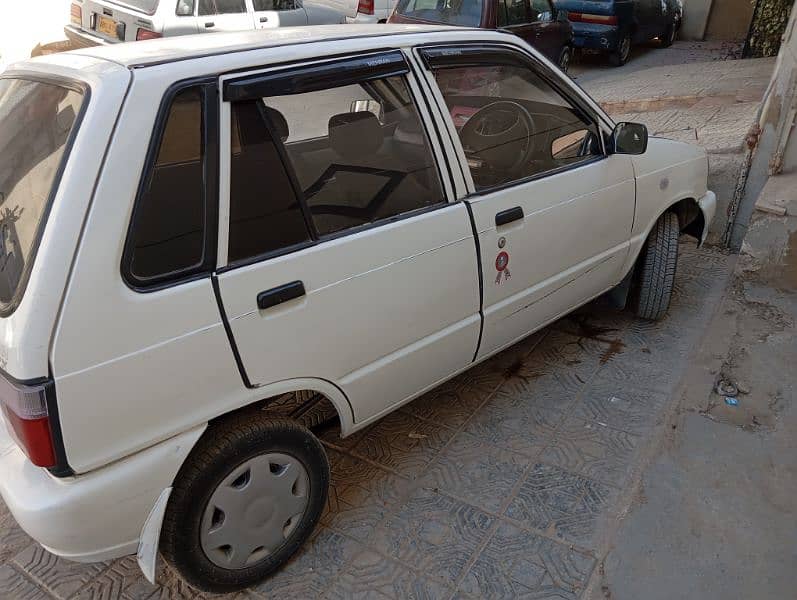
[(341, 257), (223, 15), (278, 13), (548, 31), (552, 209)]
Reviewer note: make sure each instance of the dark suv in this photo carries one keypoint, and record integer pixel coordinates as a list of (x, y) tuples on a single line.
[(536, 21), (613, 26)]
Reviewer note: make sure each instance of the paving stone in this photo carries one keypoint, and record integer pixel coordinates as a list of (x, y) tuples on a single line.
[(309, 573), (403, 442), (594, 450), (372, 575), (452, 403), (62, 578), (122, 581), (562, 504), (15, 586), (546, 392), (476, 472), (435, 534), (604, 402), (517, 424), (359, 495), (12, 539), (519, 564)]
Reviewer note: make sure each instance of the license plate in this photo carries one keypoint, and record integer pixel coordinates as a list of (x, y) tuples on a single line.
[(106, 26)]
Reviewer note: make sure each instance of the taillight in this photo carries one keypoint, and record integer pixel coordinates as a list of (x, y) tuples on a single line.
[(146, 34), (366, 7), (25, 410), (76, 14), (596, 19)]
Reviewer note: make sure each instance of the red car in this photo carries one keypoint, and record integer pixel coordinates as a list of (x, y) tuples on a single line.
[(536, 21)]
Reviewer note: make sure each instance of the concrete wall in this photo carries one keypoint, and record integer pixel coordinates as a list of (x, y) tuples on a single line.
[(696, 14), (730, 20), (775, 150)]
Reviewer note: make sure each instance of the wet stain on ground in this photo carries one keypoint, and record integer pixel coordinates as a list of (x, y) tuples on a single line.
[(615, 347)]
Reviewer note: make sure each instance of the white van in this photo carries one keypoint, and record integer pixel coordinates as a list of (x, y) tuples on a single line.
[(204, 238)]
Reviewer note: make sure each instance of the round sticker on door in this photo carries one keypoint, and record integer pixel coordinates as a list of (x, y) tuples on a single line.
[(502, 266)]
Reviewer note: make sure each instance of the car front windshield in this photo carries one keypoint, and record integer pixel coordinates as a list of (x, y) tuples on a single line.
[(467, 13)]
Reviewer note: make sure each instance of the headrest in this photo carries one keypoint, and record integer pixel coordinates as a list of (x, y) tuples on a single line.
[(355, 134), (278, 122)]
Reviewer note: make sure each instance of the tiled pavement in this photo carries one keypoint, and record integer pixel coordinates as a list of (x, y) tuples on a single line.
[(502, 483)]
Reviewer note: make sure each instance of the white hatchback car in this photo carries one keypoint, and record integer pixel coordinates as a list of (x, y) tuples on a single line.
[(94, 22), (197, 229)]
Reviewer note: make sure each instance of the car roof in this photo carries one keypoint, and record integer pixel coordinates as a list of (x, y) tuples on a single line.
[(170, 49)]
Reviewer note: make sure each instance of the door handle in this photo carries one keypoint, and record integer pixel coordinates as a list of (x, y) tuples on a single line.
[(278, 295), (508, 216), (210, 24), (264, 19)]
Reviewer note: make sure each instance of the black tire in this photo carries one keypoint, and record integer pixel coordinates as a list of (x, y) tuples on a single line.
[(223, 447), (668, 39), (655, 271), (565, 58), (620, 55)]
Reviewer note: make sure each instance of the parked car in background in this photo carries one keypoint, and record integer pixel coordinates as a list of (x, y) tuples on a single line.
[(94, 22), (198, 230), (614, 26), (362, 11), (536, 21)]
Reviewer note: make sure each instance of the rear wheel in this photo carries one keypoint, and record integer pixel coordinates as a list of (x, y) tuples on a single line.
[(249, 495), (655, 272), (565, 58), (623, 51)]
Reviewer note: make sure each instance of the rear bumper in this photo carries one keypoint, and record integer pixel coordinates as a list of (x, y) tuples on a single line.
[(361, 19), (92, 517), (595, 37), (82, 38)]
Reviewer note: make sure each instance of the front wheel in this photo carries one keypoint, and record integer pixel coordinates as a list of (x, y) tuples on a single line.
[(248, 496), (668, 39), (623, 51), (655, 272)]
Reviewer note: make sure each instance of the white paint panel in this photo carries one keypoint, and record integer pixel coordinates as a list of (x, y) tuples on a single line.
[(390, 289), (574, 221)]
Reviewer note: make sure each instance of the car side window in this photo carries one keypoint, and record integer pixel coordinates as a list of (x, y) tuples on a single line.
[(512, 12), (542, 10), (185, 8), (513, 125), (275, 5), (221, 7), (359, 152), (168, 233)]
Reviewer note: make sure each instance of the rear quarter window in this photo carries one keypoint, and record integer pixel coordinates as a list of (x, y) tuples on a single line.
[(37, 122)]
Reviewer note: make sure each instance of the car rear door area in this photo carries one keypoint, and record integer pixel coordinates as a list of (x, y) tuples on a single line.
[(340, 255)]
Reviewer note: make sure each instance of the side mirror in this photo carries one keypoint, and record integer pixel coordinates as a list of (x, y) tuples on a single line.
[(562, 16), (630, 138)]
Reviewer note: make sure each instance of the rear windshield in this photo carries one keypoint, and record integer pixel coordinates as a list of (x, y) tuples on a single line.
[(145, 6), (467, 13), (36, 120)]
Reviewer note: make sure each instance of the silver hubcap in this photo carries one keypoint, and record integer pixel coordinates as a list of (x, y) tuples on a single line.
[(254, 510)]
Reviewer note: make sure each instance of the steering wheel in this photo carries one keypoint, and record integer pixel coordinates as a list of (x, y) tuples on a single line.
[(499, 135)]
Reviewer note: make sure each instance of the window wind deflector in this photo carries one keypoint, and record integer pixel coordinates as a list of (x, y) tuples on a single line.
[(438, 57), (311, 78)]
